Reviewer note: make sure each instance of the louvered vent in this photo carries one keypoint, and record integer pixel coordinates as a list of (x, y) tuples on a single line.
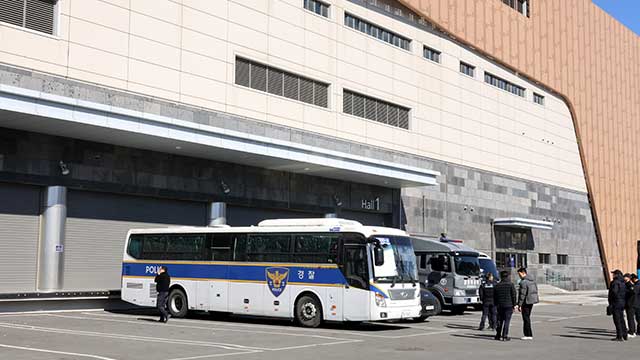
[(40, 15), (320, 94), (37, 15), (242, 72), (12, 12), (275, 81), (259, 77), (282, 83), (306, 91), (370, 108), (291, 86), (347, 103), (375, 109)]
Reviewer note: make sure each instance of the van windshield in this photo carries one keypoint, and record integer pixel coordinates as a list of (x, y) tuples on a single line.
[(467, 265)]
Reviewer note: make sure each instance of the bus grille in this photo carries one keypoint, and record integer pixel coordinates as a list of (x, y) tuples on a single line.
[(402, 294)]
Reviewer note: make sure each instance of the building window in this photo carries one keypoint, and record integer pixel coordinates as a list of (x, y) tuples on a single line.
[(544, 259), (38, 15), (317, 7), (431, 54), (563, 259), (538, 99), (467, 69), (503, 84), (513, 238), (510, 260), (375, 109), (282, 83), (521, 6), (377, 32)]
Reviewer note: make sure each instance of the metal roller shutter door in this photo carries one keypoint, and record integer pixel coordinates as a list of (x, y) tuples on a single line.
[(97, 224), (19, 231)]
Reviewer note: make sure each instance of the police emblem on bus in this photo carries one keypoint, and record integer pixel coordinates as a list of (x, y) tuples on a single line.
[(277, 279)]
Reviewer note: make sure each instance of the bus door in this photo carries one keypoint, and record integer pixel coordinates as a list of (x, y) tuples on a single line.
[(356, 299)]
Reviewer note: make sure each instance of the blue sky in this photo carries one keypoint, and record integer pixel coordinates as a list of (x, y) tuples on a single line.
[(625, 11)]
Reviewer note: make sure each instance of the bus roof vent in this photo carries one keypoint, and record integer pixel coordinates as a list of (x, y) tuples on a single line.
[(328, 222)]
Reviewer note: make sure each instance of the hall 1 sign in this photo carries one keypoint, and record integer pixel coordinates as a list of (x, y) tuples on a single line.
[(373, 204)]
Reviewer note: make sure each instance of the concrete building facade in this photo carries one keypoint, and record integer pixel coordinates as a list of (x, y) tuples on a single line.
[(145, 112)]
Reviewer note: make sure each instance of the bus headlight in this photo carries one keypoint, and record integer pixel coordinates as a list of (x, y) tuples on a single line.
[(458, 292), (380, 301)]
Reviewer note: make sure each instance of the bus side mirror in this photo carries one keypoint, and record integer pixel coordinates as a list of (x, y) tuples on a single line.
[(378, 255)]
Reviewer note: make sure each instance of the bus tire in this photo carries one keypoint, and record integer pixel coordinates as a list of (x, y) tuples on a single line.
[(178, 305), (308, 311)]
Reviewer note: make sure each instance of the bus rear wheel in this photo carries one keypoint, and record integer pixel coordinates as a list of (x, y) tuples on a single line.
[(178, 303), (308, 311)]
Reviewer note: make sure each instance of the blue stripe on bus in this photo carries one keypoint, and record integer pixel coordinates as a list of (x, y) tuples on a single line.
[(375, 289), (297, 274)]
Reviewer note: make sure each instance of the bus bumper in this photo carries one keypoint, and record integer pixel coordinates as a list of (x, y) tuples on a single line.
[(462, 300), (390, 313)]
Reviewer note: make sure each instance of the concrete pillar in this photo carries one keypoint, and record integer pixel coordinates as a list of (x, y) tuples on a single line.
[(217, 213), (51, 260)]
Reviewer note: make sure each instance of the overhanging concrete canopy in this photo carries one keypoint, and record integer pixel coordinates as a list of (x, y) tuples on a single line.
[(523, 223), (63, 116)]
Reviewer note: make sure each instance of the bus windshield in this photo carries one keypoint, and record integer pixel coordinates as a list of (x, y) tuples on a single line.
[(467, 265), (399, 260)]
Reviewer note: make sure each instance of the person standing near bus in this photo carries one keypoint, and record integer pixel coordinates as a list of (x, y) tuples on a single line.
[(629, 304), (616, 299), (162, 287), (488, 305), (636, 304), (504, 295), (527, 297)]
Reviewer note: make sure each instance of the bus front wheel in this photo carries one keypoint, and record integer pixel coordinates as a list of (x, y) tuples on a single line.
[(178, 303), (308, 311)]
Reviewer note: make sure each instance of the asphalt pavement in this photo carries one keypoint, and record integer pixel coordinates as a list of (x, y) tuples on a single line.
[(561, 331)]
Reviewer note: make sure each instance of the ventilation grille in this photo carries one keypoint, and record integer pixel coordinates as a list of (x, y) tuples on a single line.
[(36, 15), (375, 109), (282, 83)]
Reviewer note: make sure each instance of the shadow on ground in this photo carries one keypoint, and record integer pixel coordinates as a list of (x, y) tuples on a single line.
[(354, 326)]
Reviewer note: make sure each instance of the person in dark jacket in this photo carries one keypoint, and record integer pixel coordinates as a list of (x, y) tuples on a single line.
[(629, 302), (162, 287), (616, 297), (488, 306), (504, 297), (636, 303), (527, 297)]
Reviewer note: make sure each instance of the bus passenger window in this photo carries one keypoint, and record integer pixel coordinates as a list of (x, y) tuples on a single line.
[(135, 246), (221, 246), (185, 246), (154, 247)]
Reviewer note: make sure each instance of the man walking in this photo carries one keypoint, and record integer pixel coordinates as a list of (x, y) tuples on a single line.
[(162, 287), (629, 305), (504, 295), (527, 297), (488, 305), (617, 293)]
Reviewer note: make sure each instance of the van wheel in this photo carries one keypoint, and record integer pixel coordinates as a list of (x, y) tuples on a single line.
[(437, 306), (308, 311), (178, 306)]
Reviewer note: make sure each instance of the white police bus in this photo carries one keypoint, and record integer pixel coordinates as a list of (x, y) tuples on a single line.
[(307, 269)]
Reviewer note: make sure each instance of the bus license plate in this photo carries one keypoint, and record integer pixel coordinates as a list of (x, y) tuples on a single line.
[(406, 314)]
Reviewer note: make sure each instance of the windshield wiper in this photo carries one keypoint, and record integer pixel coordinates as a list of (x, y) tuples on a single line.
[(413, 282)]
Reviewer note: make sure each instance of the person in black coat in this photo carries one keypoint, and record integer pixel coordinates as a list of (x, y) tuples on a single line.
[(629, 304), (617, 297), (636, 303), (162, 287), (504, 297), (488, 306)]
